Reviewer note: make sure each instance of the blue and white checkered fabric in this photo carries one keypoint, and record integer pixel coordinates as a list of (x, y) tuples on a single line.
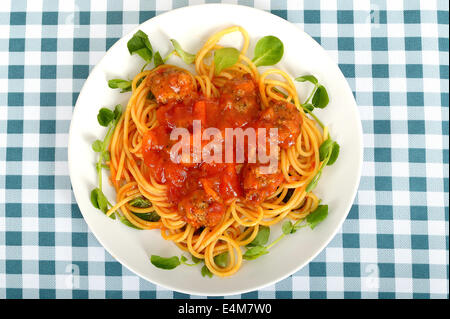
[(394, 243)]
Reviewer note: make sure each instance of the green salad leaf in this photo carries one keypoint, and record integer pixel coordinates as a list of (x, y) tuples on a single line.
[(325, 148), (140, 202), (150, 217), (287, 227), (221, 259), (255, 252), (105, 116), (334, 154), (120, 84), (317, 216), (225, 58), (140, 44), (268, 51), (157, 59), (98, 200), (187, 57), (320, 98), (307, 78), (165, 263), (97, 146), (261, 238), (206, 272)]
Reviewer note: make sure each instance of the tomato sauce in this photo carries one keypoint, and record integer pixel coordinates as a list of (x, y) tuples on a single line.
[(201, 191)]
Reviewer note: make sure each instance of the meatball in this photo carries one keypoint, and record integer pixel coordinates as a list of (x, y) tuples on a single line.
[(257, 186), (239, 100), (286, 118), (200, 209), (171, 84)]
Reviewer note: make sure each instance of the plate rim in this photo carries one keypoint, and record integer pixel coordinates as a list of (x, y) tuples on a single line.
[(284, 275)]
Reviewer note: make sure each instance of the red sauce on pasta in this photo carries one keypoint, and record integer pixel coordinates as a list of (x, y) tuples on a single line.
[(202, 191)]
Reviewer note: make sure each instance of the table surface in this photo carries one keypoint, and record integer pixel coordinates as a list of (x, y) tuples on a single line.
[(394, 243)]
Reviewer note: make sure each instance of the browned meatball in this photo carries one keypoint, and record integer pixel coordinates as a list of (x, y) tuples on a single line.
[(171, 84), (239, 100), (257, 186), (200, 209), (286, 118)]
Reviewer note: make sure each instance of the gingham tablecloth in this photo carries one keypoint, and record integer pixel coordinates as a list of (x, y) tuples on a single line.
[(394, 54)]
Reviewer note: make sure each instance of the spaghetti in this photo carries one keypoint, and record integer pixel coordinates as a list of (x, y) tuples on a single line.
[(241, 219)]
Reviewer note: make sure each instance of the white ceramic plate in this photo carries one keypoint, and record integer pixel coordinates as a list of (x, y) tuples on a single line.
[(191, 26)]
